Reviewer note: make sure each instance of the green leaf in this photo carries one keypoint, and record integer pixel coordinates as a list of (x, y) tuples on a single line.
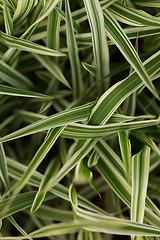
[(52, 68), (63, 16), (92, 130), (38, 157), (140, 174), (85, 235), (82, 149), (116, 33), (26, 45), (125, 147), (53, 27), (82, 131), (31, 117), (148, 141), (18, 203), (16, 170), (50, 172), (73, 54), (50, 213), (23, 9), (82, 174), (114, 96), (133, 16), (106, 226), (131, 32), (90, 68), (13, 77), (48, 7), (72, 115), (43, 2), (100, 47), (10, 91), (73, 196), (111, 168), (147, 3), (7, 19), (15, 224), (93, 159), (3, 167)]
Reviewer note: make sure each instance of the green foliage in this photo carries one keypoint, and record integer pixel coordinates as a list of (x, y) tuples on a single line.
[(79, 122)]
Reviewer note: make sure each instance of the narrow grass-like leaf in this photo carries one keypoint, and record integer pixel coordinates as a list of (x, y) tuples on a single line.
[(31, 117), (63, 118), (80, 213), (53, 213), (131, 32), (43, 2), (12, 54), (16, 170), (48, 7), (7, 19), (92, 161), (38, 157), (140, 172), (85, 235), (147, 105), (90, 68), (19, 203), (73, 54), (52, 41), (63, 15), (13, 77), (100, 47), (110, 226), (111, 168), (16, 225), (147, 3), (106, 226), (52, 68), (26, 45), (80, 14), (73, 196), (133, 16), (82, 149), (107, 105), (148, 141), (10, 91), (111, 99), (88, 134), (3, 167), (51, 170), (11, 4), (116, 33), (53, 26), (82, 174), (23, 9), (72, 162), (6, 122), (141, 31), (82, 131), (112, 171), (125, 148)]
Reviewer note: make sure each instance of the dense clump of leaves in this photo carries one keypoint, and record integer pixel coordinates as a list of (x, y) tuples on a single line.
[(79, 122)]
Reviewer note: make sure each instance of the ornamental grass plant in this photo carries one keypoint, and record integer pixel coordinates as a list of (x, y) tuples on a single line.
[(79, 119)]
